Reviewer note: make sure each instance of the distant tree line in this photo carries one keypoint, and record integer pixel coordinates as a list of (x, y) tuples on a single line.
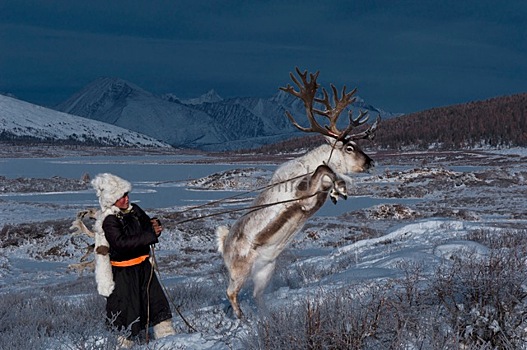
[(297, 144), (497, 122)]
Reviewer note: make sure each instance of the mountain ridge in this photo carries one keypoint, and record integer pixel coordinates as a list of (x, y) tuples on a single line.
[(208, 122), (23, 121)]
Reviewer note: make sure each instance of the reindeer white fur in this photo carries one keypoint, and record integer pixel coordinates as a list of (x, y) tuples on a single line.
[(297, 190)]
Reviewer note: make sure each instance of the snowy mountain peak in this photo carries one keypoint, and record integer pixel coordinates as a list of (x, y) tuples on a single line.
[(171, 98), (283, 98), (210, 97), (102, 94), (21, 120), (113, 84)]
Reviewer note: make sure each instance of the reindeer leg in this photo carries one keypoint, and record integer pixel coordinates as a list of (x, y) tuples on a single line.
[(239, 270), (329, 180), (232, 294), (262, 272)]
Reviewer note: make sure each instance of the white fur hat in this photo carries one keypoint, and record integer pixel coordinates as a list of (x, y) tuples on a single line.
[(109, 189)]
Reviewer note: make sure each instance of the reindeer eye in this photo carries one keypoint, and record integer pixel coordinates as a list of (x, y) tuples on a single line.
[(350, 148)]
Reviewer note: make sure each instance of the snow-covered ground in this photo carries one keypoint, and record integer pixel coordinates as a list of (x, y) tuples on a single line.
[(425, 211)]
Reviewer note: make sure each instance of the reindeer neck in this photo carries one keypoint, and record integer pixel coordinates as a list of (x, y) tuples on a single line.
[(318, 156)]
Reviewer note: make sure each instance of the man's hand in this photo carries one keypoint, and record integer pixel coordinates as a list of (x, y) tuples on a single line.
[(156, 224)]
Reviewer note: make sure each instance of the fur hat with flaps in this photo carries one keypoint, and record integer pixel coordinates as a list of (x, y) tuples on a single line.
[(109, 189)]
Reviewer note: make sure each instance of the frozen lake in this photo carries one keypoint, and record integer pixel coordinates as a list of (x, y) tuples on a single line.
[(158, 181)]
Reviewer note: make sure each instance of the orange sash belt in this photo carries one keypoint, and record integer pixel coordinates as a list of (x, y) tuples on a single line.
[(131, 262)]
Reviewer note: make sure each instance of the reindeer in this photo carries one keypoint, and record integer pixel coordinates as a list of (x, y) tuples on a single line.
[(295, 192)]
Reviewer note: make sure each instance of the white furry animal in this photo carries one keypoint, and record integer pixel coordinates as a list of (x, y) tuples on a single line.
[(78, 227), (300, 187), (109, 188)]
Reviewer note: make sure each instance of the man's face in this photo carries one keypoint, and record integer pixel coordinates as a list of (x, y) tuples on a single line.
[(123, 202)]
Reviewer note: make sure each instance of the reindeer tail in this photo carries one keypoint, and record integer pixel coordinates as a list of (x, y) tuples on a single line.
[(221, 234)]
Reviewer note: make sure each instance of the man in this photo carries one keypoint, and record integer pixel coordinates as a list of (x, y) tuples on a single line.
[(124, 274)]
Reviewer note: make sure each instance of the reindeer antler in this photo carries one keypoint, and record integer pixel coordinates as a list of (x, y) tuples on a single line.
[(307, 93)]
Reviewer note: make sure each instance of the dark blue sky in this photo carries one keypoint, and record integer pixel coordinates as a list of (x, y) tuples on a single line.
[(403, 56)]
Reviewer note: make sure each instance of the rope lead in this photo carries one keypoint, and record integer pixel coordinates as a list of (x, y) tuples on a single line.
[(249, 210), (154, 266)]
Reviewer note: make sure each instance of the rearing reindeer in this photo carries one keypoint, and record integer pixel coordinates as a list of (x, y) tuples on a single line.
[(296, 192)]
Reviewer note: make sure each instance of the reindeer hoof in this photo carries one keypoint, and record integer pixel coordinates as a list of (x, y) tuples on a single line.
[(334, 195), (230, 313)]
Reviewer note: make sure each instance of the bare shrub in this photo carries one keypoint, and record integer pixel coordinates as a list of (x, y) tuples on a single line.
[(484, 299), (196, 294), (331, 320), (472, 302), (512, 239), (32, 320)]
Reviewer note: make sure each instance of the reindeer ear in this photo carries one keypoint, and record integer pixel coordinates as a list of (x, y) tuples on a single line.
[(333, 142)]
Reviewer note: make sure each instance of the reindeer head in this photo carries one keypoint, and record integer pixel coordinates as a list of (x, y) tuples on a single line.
[(347, 157), (345, 153)]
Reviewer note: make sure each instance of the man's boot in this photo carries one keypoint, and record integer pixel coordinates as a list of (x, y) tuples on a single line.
[(163, 329)]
